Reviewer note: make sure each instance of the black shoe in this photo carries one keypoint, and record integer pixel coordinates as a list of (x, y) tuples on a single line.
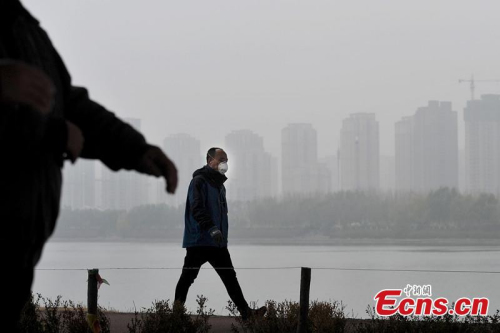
[(254, 313)]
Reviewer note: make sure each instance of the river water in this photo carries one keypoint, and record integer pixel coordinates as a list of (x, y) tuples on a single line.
[(140, 273)]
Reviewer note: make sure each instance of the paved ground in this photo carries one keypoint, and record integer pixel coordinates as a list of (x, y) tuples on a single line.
[(119, 321)]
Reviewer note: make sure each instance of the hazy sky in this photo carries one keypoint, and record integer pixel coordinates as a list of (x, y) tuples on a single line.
[(209, 67)]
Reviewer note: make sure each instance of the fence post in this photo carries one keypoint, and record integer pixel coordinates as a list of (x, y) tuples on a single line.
[(305, 285), (92, 298)]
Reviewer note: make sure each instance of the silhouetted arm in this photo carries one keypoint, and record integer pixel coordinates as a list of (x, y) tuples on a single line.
[(111, 140), (107, 138)]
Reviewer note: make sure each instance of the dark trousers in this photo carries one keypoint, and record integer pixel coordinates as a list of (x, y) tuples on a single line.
[(220, 259)]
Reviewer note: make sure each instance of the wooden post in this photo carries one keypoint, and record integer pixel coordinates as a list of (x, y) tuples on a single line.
[(92, 292), (305, 286)]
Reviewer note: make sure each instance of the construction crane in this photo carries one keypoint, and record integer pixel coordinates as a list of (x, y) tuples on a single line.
[(473, 85)]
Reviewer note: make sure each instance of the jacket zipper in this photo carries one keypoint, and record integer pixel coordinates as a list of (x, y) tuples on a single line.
[(220, 211)]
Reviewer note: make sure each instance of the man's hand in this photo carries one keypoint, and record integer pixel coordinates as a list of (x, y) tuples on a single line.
[(24, 84), (74, 145), (216, 235), (155, 162)]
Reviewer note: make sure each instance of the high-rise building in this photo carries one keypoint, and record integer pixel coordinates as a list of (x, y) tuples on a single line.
[(387, 173), (435, 147), (123, 189), (299, 160), (461, 171), (331, 164), (253, 172), (79, 185), (482, 145), (184, 150), (359, 152), (404, 154), (427, 149)]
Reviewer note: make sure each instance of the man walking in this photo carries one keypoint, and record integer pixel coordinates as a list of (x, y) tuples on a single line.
[(206, 231)]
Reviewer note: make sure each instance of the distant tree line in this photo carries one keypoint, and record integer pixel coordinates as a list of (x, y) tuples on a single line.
[(444, 213)]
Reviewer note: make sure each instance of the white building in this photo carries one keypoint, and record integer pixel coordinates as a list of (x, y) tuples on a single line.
[(123, 189), (482, 145), (359, 152), (427, 149), (301, 172), (184, 150), (253, 172), (79, 185)]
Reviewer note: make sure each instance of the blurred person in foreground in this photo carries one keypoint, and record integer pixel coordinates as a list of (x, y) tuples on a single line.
[(44, 120)]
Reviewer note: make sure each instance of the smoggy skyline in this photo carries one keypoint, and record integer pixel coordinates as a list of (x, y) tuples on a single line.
[(208, 68)]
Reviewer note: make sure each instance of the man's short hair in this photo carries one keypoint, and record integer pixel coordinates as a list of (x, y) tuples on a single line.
[(211, 153)]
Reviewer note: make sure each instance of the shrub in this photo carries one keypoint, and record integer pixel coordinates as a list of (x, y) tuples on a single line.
[(57, 316), (284, 317), (163, 318)]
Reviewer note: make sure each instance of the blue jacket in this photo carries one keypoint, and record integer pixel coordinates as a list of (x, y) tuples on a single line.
[(206, 207)]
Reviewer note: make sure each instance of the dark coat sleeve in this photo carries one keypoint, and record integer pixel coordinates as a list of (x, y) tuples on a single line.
[(107, 138), (198, 206), (24, 130)]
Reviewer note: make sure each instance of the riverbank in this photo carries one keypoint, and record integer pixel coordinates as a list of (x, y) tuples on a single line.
[(310, 241)]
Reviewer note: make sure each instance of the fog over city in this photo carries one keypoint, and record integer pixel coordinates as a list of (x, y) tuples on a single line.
[(209, 67), (238, 74), (362, 141)]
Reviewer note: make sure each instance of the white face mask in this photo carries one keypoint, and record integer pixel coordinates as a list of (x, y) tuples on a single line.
[(223, 167)]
